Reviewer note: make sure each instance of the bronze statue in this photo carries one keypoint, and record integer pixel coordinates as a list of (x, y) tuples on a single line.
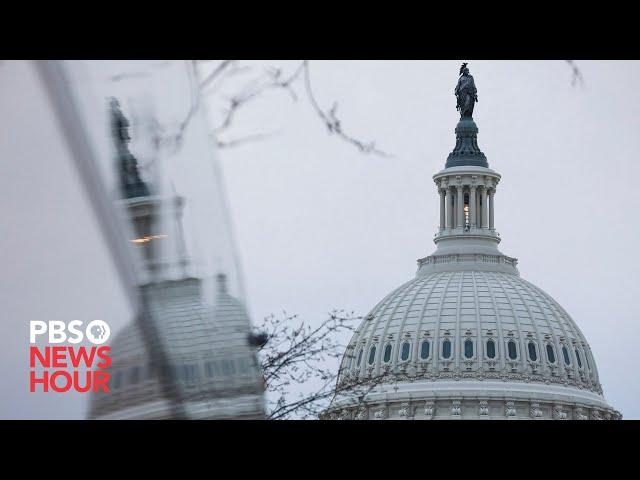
[(131, 184), (466, 93)]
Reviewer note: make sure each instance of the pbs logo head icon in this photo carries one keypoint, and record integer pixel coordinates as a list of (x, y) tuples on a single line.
[(98, 332)]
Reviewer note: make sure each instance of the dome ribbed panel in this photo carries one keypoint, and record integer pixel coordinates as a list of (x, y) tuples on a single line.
[(475, 306)]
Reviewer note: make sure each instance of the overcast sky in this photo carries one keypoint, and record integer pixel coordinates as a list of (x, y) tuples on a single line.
[(319, 225)]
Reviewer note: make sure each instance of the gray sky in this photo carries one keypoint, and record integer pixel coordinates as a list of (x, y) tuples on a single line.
[(321, 226)]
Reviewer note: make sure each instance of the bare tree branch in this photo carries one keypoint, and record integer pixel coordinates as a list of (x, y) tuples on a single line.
[(332, 122), (274, 78), (576, 77), (242, 140), (222, 72), (215, 73), (296, 355)]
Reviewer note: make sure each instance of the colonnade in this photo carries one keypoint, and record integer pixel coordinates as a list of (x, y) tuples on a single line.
[(467, 207)]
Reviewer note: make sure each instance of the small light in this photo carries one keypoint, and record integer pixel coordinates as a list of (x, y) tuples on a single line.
[(148, 238)]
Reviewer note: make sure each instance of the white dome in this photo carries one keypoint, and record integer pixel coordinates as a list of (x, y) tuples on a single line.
[(471, 309), (467, 337), (207, 348), (400, 351)]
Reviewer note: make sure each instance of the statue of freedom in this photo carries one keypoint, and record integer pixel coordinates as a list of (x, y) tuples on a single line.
[(466, 93)]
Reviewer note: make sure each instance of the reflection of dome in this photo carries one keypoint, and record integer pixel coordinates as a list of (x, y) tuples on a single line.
[(208, 350), (467, 337)]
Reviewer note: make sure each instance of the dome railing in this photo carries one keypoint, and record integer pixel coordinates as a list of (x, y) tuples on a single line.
[(470, 257)]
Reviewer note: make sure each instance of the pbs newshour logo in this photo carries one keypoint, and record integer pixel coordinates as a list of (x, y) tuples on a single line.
[(63, 365)]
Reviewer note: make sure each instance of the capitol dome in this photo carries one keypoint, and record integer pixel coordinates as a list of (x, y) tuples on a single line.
[(468, 337), (208, 350), (182, 356)]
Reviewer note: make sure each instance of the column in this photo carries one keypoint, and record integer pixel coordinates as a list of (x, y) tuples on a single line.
[(472, 206), (443, 195), (449, 210), (460, 208), (478, 209), (485, 209), (491, 192)]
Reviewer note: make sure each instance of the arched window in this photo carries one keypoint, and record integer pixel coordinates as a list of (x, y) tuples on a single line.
[(468, 348), (586, 359), (446, 349), (228, 368), (168, 370), (359, 357), (424, 350), (551, 354), (117, 379), (243, 365), (134, 375), (533, 351), (372, 354), (565, 355), (387, 353), (578, 358), (491, 349), (512, 350), (190, 372), (406, 349)]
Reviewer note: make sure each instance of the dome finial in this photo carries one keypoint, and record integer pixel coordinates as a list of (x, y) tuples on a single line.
[(466, 151), (131, 184), (466, 93)]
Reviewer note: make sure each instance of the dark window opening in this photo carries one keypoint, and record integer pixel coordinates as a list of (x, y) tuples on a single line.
[(468, 348), (372, 355), (117, 379), (586, 359), (134, 376), (424, 350), (491, 349), (406, 349), (578, 358), (228, 368), (243, 365), (565, 354), (551, 355), (387, 353), (446, 349)]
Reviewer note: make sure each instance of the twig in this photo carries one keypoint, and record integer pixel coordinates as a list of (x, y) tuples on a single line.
[(215, 73), (332, 122), (275, 79), (242, 140), (576, 77)]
